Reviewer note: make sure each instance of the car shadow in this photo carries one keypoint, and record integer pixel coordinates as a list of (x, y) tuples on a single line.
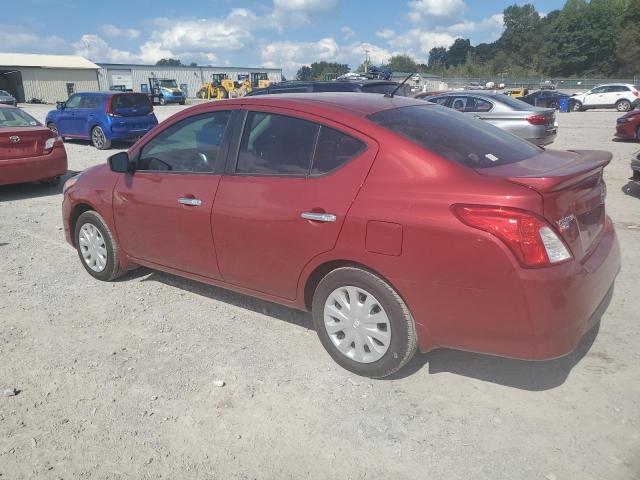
[(256, 305), (23, 191), (632, 189), (520, 374)]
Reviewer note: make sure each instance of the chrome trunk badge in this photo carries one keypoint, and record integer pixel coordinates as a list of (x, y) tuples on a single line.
[(14, 138)]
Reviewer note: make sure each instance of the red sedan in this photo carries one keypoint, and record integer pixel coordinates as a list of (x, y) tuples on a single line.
[(628, 126), (400, 224), (28, 150)]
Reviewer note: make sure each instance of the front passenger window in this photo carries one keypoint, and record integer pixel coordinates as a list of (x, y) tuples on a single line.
[(73, 102), (191, 145)]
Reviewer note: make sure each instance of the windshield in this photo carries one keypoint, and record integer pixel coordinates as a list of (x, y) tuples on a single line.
[(512, 102), (4, 93), (454, 136), (168, 84), (10, 117), (385, 88)]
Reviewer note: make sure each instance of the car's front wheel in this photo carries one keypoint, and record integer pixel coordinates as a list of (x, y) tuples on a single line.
[(97, 247), (576, 106), (623, 105), (162, 100), (99, 139), (363, 323), (51, 126)]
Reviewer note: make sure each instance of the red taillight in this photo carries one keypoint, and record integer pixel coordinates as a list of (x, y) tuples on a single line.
[(529, 237), (635, 93), (538, 120), (109, 109)]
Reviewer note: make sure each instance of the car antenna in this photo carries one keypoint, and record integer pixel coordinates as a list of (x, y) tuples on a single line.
[(390, 95)]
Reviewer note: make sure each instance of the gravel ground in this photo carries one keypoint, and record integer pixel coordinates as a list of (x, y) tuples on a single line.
[(116, 381)]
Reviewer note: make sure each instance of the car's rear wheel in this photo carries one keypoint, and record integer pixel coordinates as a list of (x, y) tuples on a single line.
[(623, 105), (99, 139), (576, 106), (363, 323), (162, 100), (97, 247)]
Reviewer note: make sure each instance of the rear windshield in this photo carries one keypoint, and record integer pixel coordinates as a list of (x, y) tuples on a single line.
[(385, 88), (452, 135), (514, 103), (131, 100), (10, 117)]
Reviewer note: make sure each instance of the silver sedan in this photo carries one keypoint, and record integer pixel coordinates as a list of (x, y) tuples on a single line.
[(535, 124)]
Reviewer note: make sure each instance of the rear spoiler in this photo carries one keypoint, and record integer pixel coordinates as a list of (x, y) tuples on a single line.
[(586, 164)]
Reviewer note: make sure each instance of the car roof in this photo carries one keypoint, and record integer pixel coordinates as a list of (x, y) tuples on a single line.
[(355, 104), (296, 83)]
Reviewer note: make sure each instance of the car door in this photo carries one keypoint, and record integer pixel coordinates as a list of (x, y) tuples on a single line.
[(596, 97), (289, 184), (615, 93), (85, 114), (66, 117), (163, 210)]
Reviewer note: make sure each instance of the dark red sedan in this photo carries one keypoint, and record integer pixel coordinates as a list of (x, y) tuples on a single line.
[(400, 224), (628, 126), (28, 151)]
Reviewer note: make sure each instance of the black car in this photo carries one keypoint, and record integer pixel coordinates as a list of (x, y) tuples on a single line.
[(7, 99), (361, 86), (545, 98)]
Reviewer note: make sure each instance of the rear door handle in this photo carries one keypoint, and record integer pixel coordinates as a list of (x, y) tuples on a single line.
[(318, 217), (193, 202)]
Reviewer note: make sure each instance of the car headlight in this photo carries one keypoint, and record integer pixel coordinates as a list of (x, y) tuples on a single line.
[(71, 182)]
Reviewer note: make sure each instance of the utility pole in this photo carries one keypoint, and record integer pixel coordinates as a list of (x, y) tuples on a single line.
[(367, 61)]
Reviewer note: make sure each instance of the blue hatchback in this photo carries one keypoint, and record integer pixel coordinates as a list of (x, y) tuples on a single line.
[(103, 117)]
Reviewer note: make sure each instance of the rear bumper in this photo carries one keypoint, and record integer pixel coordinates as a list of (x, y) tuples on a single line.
[(21, 170), (8, 102), (125, 133), (547, 139)]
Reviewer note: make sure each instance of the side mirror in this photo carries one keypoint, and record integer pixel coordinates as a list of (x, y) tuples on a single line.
[(121, 163), (60, 105)]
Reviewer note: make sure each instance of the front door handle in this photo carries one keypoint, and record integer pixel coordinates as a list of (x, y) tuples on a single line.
[(193, 202), (318, 217)]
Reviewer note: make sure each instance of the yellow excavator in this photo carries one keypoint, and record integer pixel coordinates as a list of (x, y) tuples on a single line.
[(221, 86)]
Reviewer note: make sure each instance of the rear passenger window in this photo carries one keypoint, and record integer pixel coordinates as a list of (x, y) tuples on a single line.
[(276, 145), (334, 149), (191, 145), (438, 100), (90, 102)]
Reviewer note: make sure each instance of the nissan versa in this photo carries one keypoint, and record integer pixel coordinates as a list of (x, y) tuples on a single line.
[(401, 225)]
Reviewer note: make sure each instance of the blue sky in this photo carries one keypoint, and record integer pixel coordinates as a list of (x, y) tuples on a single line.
[(273, 33)]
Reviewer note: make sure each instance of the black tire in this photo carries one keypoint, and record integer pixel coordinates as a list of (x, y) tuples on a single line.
[(99, 139), (555, 105), (162, 100), (638, 134), (54, 129), (403, 343), (623, 105), (202, 93), (182, 103), (112, 268), (577, 106)]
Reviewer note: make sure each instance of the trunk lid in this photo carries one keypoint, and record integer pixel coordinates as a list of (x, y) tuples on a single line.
[(23, 142), (572, 189)]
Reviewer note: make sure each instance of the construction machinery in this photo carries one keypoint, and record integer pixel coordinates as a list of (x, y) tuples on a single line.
[(221, 86)]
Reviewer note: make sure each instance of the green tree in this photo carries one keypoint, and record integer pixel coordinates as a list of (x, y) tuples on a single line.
[(320, 70), (437, 57), (457, 53), (193, 64), (304, 73), (628, 40), (402, 63), (172, 62)]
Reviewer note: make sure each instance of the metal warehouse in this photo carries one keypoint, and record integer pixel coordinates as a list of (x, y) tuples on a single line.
[(51, 78), (136, 77), (46, 77)]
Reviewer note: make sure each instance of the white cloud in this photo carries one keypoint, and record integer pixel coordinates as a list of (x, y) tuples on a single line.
[(426, 10), (14, 38), (492, 23), (113, 31), (386, 33), (417, 43), (347, 33), (297, 12)]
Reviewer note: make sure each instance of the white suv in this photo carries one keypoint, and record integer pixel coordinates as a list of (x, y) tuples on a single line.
[(621, 96)]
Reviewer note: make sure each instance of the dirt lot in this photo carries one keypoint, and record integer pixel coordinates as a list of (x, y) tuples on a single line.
[(116, 380)]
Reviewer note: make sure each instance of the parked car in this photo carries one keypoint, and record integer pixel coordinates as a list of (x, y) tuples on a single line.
[(361, 86), (400, 224), (103, 117), (545, 98), (7, 99), (29, 151), (635, 169), (628, 126), (621, 96), (535, 124)]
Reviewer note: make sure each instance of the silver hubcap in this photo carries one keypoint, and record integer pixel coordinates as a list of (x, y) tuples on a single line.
[(92, 247), (98, 137), (623, 106), (357, 324)]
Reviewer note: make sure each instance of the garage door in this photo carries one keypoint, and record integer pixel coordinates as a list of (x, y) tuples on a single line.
[(121, 78)]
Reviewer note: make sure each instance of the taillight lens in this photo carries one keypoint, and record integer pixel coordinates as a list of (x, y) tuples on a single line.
[(51, 142), (538, 120), (529, 237), (635, 93)]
